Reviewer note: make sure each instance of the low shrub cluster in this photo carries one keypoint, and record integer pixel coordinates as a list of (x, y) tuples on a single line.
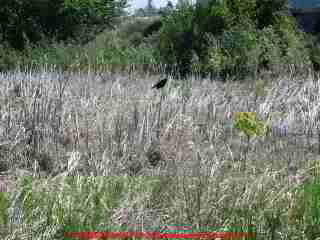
[(122, 49)]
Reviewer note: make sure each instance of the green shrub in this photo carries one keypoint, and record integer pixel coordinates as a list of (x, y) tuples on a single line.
[(152, 28), (133, 30), (217, 13), (51, 54), (234, 52), (9, 58), (270, 55), (293, 44), (176, 40), (307, 211), (266, 12), (83, 18), (242, 11), (227, 38), (314, 52), (230, 38), (118, 49), (216, 59), (220, 16), (34, 20), (120, 53)]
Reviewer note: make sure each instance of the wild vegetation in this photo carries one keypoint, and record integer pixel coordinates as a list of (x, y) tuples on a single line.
[(183, 40), (86, 144), (87, 150)]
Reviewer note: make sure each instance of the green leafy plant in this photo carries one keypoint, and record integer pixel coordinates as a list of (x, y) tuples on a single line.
[(270, 57), (24, 21), (293, 45), (176, 40), (247, 125), (310, 207), (314, 51), (235, 52)]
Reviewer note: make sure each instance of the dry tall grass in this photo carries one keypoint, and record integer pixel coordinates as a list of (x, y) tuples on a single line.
[(61, 127)]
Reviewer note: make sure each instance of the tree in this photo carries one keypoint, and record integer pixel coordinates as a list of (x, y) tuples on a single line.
[(23, 21), (150, 9)]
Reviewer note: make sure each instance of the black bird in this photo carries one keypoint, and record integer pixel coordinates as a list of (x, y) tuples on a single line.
[(160, 84)]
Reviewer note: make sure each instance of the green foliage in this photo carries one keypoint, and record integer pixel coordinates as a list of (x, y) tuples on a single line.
[(51, 54), (292, 43), (9, 58), (134, 30), (247, 124), (216, 59), (218, 13), (270, 57), (267, 10), (85, 15), (118, 49), (282, 45), (308, 210), (312, 201), (120, 54), (242, 11), (246, 37), (176, 39), (4, 205), (314, 51), (19, 22), (237, 52), (33, 20), (226, 38), (83, 203)]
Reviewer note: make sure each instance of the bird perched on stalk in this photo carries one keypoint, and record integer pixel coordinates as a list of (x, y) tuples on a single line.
[(160, 84)]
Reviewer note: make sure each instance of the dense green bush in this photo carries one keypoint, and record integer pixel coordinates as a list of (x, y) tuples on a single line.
[(133, 30), (18, 20), (32, 20), (293, 43), (314, 51), (266, 12), (237, 52), (9, 58), (119, 50), (227, 38), (270, 57), (233, 37), (91, 17), (184, 36), (176, 38), (120, 53)]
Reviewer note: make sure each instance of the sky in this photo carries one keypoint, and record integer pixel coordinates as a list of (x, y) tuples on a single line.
[(135, 4)]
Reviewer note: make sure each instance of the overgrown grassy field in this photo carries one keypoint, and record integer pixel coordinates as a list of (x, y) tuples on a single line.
[(232, 141), (91, 149)]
